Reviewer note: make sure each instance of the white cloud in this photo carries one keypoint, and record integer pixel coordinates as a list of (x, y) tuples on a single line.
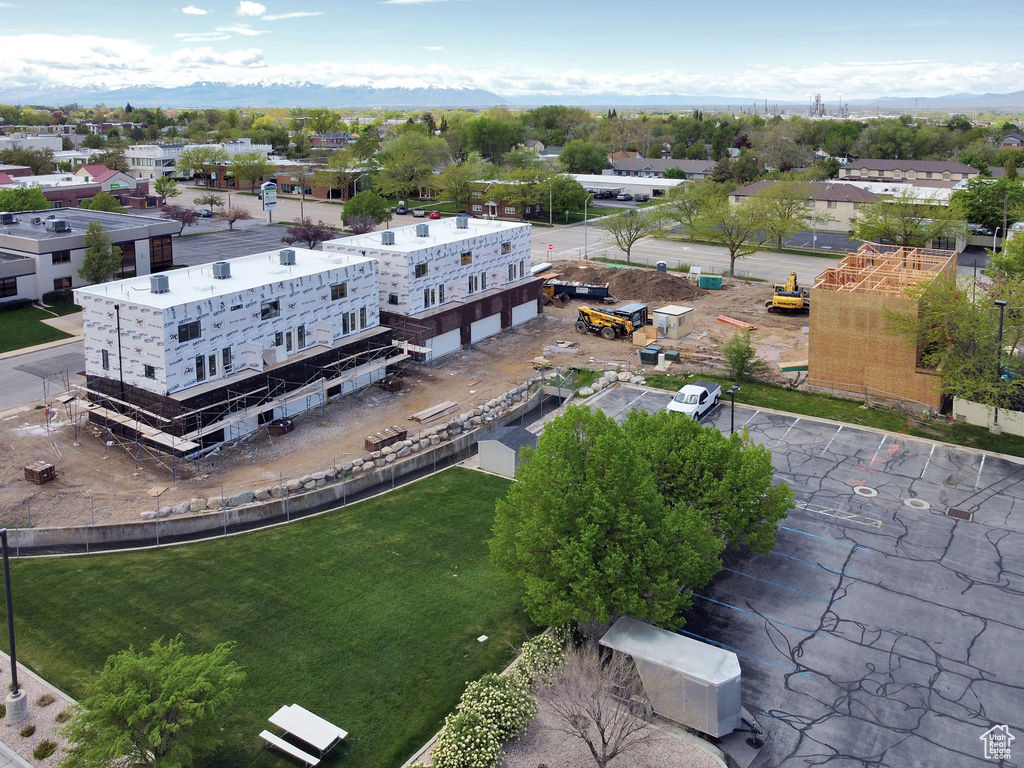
[(242, 29), (249, 8), (191, 10), (201, 37), (291, 15), (416, 2), (433, 47)]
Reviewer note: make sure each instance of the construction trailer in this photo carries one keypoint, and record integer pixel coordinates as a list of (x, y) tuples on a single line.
[(850, 349), (686, 681)]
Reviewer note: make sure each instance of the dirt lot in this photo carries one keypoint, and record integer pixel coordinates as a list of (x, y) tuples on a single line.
[(101, 484)]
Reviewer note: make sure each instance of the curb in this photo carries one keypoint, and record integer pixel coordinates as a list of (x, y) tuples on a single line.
[(40, 347)]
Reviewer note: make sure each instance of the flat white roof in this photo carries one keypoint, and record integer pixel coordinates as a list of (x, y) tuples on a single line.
[(198, 283), (673, 309), (441, 231), (693, 658), (610, 181)]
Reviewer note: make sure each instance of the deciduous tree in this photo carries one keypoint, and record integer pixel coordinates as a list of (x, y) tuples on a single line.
[(186, 217), (154, 709), (166, 187), (23, 199), (308, 233), (250, 168), (39, 160), (741, 227), (686, 203), (407, 163), (211, 200), (586, 533), (102, 202), (629, 227), (785, 203), (456, 180), (366, 204), (905, 220), (231, 215), (102, 259), (200, 160), (583, 157)]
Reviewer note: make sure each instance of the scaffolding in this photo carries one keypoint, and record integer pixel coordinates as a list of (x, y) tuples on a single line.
[(887, 270)]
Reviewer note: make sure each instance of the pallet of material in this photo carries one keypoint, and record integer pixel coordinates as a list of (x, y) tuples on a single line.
[(434, 412), (387, 436), (738, 323), (40, 472)]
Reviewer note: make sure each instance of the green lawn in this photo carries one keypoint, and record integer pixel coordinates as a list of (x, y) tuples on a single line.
[(368, 615), (22, 328)]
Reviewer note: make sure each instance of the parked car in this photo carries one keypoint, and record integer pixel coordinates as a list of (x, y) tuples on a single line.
[(623, 196), (204, 213), (419, 213), (641, 198), (697, 399), (435, 215), (401, 210)]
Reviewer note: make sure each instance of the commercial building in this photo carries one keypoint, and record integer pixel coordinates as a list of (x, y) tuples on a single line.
[(68, 190), (151, 161), (940, 172), (42, 251), (450, 282), (197, 356)]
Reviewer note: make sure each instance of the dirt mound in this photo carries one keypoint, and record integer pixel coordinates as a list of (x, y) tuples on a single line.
[(645, 285)]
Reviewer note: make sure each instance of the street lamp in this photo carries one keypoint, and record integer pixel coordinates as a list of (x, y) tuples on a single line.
[(731, 392), (585, 201), (994, 236), (17, 703), (1001, 303)]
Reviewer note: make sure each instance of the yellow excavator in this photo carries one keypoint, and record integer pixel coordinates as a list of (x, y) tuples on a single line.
[(609, 325), (789, 297)]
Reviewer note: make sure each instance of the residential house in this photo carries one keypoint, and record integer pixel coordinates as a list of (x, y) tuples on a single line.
[(485, 199), (938, 172), (655, 167), (331, 140), (832, 204), (210, 353), (42, 251), (451, 282), (1013, 140)]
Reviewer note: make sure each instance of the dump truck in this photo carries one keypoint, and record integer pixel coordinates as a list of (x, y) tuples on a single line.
[(789, 297), (558, 292), (608, 324)]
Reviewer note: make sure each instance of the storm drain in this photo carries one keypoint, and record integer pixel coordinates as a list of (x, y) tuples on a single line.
[(866, 491), (959, 514), (916, 503)]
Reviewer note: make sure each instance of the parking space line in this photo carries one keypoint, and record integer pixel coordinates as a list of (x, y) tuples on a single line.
[(751, 418), (823, 538), (980, 467), (752, 613), (779, 441), (781, 586), (838, 571), (737, 651), (928, 460), (825, 449), (875, 457), (840, 514)]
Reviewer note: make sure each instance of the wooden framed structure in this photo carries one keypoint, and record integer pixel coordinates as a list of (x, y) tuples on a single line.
[(850, 349)]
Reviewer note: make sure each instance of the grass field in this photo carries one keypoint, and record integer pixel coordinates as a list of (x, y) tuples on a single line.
[(368, 615), (22, 328)]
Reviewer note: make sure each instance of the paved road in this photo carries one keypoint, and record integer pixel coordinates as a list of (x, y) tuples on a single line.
[(879, 631), (22, 377)]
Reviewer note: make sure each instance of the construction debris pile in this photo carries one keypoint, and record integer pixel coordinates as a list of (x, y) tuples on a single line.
[(646, 285)]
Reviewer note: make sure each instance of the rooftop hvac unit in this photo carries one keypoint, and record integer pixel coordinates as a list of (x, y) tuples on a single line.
[(422, 230), (37, 219), (159, 284), (57, 225), (287, 257), (221, 270), (6, 218), (387, 237), (462, 222)]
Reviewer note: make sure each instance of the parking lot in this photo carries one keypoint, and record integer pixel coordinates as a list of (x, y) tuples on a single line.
[(880, 630), (210, 240)]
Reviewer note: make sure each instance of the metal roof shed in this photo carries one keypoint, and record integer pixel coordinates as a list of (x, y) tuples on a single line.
[(499, 453), (687, 681)]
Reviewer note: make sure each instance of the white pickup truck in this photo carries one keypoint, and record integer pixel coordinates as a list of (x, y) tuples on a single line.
[(697, 399)]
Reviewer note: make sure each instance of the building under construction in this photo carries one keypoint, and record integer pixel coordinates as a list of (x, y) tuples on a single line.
[(851, 350), (186, 360)]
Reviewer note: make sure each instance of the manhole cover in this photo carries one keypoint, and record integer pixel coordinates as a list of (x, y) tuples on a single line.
[(917, 503), (959, 514), (863, 490)]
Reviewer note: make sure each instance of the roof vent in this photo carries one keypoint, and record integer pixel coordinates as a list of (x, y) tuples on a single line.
[(37, 219), (387, 237), (159, 284), (462, 222), (422, 230), (287, 257), (6, 218), (221, 270)]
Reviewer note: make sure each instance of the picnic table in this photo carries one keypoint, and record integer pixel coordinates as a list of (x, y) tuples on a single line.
[(322, 735)]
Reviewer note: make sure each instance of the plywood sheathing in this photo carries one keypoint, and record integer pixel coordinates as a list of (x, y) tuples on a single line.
[(850, 349)]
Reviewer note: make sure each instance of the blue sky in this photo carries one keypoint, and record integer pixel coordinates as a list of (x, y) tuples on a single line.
[(771, 49)]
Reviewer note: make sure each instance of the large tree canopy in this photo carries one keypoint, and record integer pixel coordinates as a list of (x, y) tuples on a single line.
[(595, 527), (905, 220)]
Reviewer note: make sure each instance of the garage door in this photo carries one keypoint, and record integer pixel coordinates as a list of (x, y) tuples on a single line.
[(444, 344), (524, 312), (481, 329)]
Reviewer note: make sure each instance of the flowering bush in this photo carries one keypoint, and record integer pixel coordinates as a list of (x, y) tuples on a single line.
[(466, 741), (506, 704), (539, 658)]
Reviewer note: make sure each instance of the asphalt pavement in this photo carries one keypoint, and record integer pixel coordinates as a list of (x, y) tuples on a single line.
[(880, 630)]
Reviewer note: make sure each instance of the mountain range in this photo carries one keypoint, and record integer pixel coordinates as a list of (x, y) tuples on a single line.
[(304, 94)]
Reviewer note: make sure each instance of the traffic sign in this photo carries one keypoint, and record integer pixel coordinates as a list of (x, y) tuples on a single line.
[(269, 196)]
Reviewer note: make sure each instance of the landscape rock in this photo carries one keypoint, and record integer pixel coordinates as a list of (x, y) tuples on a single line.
[(586, 392), (262, 494), (389, 458), (403, 452), (435, 439), (294, 485), (149, 514), (180, 509), (197, 505), (623, 376), (347, 466), (309, 486), (245, 497)]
